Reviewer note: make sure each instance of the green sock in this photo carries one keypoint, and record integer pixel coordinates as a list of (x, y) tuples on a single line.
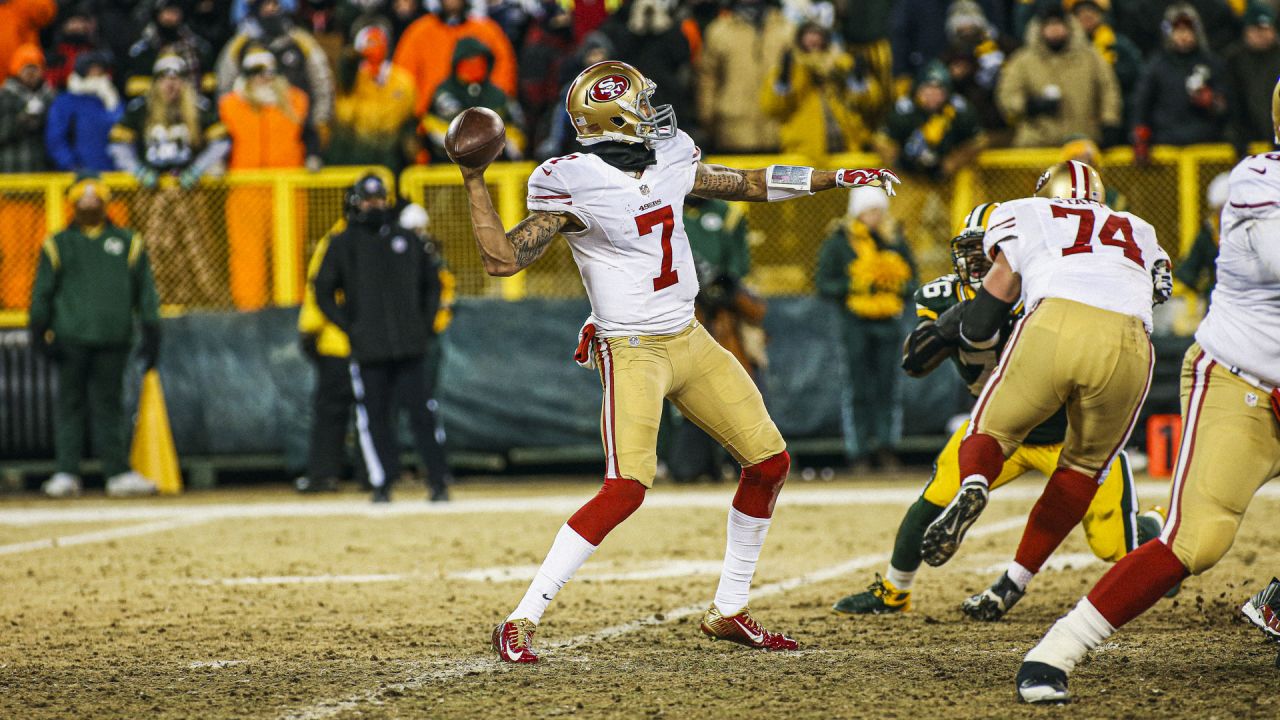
[(906, 548)]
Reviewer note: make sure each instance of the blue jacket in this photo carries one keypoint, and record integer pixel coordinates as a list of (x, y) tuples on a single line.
[(77, 131)]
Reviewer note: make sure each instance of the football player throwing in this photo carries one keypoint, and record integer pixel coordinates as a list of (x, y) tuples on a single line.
[(619, 203)]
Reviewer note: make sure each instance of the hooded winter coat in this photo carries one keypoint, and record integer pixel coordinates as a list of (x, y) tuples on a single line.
[(1087, 85), (427, 45), (1163, 99), (455, 95), (736, 55), (809, 94)]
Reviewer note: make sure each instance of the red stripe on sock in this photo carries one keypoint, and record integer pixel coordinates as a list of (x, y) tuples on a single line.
[(760, 484), (981, 455), (1137, 582), (1060, 508), (617, 499)]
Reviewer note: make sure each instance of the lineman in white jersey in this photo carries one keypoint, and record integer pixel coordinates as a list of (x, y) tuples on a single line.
[(1087, 275), (620, 204), (1230, 437)]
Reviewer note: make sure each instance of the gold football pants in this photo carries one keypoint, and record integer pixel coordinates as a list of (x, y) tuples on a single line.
[(1095, 362), (704, 381), (1110, 525), (1230, 447)]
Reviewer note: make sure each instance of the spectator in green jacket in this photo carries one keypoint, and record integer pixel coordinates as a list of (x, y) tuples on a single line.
[(92, 281), (866, 269)]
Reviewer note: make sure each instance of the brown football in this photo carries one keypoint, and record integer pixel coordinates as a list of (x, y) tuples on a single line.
[(476, 136)]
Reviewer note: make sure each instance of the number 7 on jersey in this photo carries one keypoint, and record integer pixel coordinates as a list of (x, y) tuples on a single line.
[(645, 224)]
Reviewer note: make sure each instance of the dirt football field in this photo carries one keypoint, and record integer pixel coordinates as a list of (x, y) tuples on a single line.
[(263, 604)]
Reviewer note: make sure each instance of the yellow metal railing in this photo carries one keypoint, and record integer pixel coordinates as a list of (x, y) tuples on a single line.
[(197, 237)]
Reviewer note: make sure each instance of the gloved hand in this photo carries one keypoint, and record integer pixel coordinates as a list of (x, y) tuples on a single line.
[(1202, 97), (147, 177), (307, 342), (1161, 282), (1142, 145), (150, 348), (188, 179), (1038, 105), (874, 177)]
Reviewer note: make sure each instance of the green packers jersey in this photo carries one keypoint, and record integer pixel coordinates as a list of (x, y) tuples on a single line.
[(975, 366)]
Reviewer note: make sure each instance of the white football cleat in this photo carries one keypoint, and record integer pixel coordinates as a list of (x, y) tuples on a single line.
[(129, 484), (62, 485)]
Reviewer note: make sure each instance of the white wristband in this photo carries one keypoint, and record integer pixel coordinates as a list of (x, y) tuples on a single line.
[(784, 182)]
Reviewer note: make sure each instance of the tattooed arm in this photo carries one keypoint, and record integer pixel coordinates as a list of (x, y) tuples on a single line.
[(726, 183), (507, 253)]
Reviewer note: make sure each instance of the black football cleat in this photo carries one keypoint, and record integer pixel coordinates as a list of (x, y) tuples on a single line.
[(1041, 684), (991, 604), (943, 537)]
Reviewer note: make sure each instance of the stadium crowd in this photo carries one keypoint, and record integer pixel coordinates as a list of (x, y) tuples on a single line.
[(191, 86)]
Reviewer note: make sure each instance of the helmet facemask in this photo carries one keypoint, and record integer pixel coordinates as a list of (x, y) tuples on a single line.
[(613, 101), (968, 259)]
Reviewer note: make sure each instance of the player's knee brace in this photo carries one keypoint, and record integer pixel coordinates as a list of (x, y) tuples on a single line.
[(760, 484), (617, 499)]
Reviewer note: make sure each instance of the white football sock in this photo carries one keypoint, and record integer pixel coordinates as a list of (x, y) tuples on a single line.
[(900, 579), (745, 538), (567, 554), (1072, 637), (1019, 575), (976, 479)]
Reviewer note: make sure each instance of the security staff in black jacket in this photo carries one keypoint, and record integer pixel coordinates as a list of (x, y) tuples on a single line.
[(378, 284)]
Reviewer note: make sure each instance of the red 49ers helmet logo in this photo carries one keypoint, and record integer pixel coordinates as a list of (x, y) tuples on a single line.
[(609, 87)]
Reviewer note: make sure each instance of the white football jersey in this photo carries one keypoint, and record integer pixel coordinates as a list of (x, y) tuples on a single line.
[(1242, 329), (634, 255), (1077, 250)]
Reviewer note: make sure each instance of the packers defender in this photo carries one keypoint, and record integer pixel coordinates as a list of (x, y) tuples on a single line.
[(1112, 524)]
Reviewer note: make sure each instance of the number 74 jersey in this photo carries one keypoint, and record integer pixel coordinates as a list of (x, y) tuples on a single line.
[(1077, 250), (633, 255)]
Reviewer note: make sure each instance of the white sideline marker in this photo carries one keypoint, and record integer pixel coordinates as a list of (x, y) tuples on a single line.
[(1057, 561), (98, 536), (487, 664)]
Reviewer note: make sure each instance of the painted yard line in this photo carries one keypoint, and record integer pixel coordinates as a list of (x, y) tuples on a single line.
[(509, 573), (799, 495), (487, 664), (1056, 562), (99, 536), (307, 579), (638, 571)]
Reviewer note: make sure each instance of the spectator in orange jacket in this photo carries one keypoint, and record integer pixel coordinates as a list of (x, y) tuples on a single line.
[(20, 23), (266, 118), (426, 48)]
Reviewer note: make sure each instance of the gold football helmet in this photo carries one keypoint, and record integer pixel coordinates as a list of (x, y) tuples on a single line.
[(611, 101), (1071, 179), (967, 256)]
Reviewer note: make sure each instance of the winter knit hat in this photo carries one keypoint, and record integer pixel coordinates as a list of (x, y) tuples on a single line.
[(862, 199), (23, 56)]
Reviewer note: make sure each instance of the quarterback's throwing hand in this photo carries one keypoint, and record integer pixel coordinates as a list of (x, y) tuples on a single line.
[(870, 177)]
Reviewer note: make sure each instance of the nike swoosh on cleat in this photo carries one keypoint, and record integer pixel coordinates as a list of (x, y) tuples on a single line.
[(754, 637), (513, 656)]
